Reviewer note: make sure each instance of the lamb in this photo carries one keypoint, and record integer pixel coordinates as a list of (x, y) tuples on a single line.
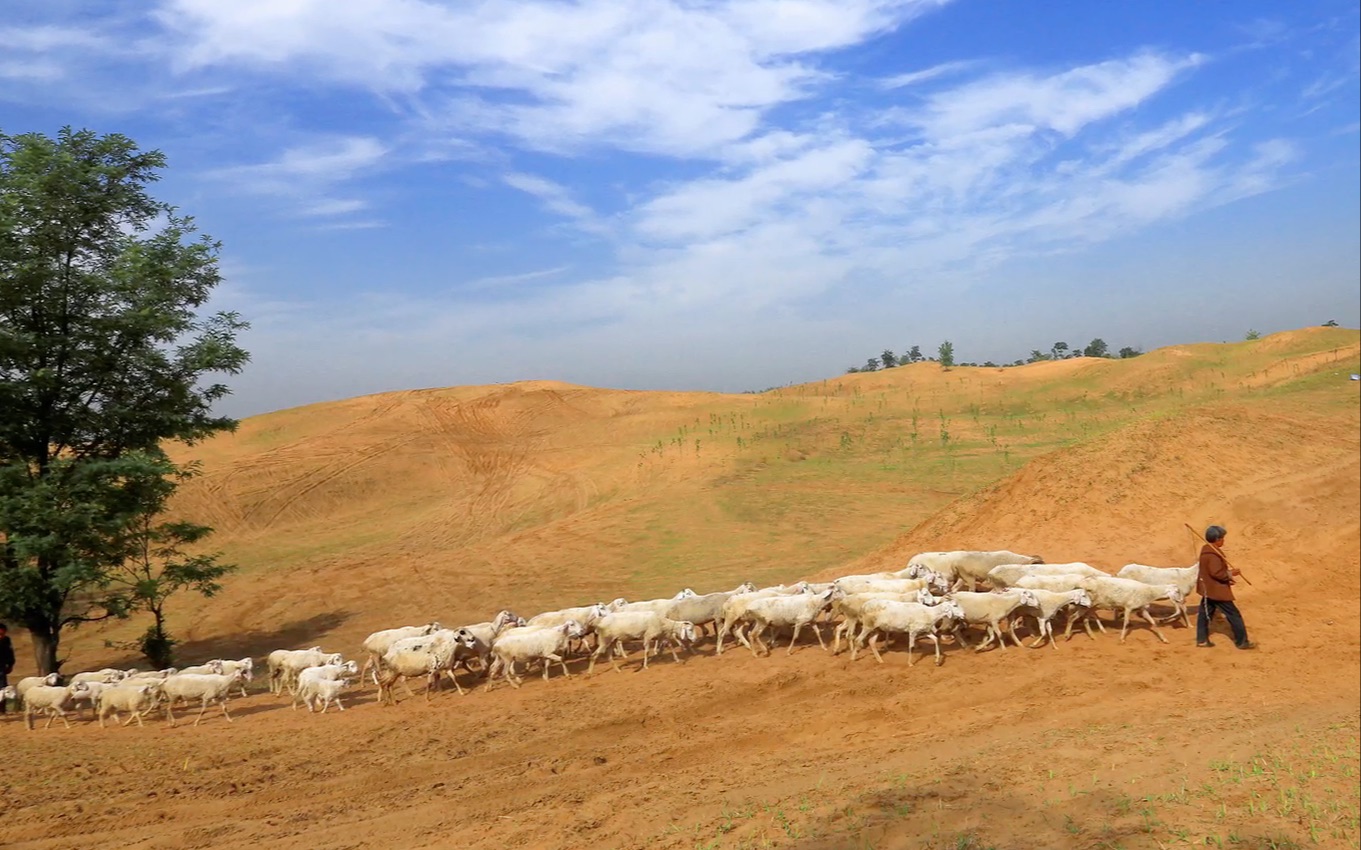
[(1123, 594), (988, 609), (1007, 575), (52, 700), (910, 618), (453, 648), (89, 695), (968, 566), (426, 656), (322, 673), (646, 626), (207, 688), (137, 699), (796, 611), (1051, 602), (1183, 577), (324, 691), (529, 643), (734, 610), (378, 643), (705, 610)]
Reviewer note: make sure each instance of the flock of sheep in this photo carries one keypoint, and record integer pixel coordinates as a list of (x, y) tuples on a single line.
[(925, 601)]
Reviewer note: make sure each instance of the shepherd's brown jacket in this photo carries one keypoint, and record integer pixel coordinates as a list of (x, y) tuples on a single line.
[(1215, 579)]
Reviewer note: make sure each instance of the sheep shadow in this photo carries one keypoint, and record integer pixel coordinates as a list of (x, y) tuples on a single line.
[(256, 643)]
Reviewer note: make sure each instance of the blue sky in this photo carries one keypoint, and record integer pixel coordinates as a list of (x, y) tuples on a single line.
[(722, 195)]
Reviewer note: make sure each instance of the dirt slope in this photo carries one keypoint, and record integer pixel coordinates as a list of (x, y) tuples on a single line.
[(1097, 744)]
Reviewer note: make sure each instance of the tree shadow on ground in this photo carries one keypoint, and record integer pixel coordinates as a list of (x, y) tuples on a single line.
[(256, 643)]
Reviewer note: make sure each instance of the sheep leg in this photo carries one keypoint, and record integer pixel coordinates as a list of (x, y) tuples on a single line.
[(836, 637), (407, 684), (874, 640), (202, 708), (1011, 628), (911, 647), (719, 634), (1151, 624), (959, 632), (752, 638), (340, 705), (671, 646), (614, 655), (817, 630), (793, 638), (453, 677), (935, 640)]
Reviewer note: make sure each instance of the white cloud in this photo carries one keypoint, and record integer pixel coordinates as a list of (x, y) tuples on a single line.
[(654, 75), (304, 175), (1064, 102), (912, 78), (555, 198)]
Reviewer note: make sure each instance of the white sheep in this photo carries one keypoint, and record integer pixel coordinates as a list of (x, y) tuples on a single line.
[(107, 676), (793, 611), (422, 656), (377, 644), (292, 662), (323, 691), (614, 629), (733, 611), (208, 668), (135, 698), (484, 634), (51, 680), (1007, 575), (1183, 577), (1126, 595), (207, 688), (151, 675), (988, 609), (910, 618), (848, 610), (967, 565), (706, 609), (532, 643), (88, 695), (52, 700), (891, 585), (656, 606), (1051, 603)]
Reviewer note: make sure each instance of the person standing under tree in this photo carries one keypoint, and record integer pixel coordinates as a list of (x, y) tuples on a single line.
[(6, 660), (1215, 586)]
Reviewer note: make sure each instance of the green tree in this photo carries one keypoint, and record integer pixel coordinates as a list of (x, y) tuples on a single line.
[(1252, 334), (158, 566), (1036, 356), (871, 365), (1096, 348), (1127, 352), (106, 352), (888, 358), (1059, 351), (946, 353), (914, 354), (1331, 323)]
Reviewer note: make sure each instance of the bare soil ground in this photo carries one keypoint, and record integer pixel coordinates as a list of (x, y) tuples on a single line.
[(453, 503)]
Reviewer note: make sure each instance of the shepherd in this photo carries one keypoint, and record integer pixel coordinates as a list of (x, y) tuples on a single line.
[(1215, 586)]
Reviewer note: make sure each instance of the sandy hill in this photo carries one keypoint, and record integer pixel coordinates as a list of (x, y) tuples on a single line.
[(399, 507)]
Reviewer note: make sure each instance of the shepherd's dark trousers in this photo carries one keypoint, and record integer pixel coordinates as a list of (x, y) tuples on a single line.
[(1206, 613)]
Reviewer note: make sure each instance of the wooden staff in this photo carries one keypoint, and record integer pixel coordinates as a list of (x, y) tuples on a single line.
[(1202, 539)]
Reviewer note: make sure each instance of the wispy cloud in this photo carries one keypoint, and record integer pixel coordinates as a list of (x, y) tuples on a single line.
[(912, 78), (304, 175)]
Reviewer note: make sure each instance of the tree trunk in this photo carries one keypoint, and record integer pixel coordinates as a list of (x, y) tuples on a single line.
[(45, 642)]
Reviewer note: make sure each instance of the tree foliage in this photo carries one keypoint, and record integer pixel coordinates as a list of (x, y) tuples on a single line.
[(946, 353), (1096, 348), (105, 354)]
